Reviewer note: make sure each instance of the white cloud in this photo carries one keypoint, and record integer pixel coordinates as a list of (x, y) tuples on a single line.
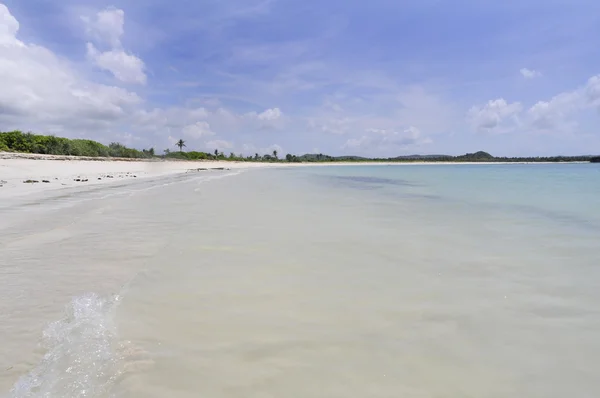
[(592, 92), (127, 68), (387, 139), (9, 26), (551, 115), (106, 27), (197, 130), (219, 144), (269, 119), (270, 114), (495, 116), (530, 73), (41, 91), (554, 115), (547, 116)]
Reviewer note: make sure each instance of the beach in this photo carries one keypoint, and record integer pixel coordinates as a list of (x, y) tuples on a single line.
[(256, 280), (23, 174)]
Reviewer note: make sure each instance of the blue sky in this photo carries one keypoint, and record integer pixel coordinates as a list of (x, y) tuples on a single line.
[(377, 78)]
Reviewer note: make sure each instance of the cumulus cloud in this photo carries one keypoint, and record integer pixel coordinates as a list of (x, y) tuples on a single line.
[(530, 73), (197, 130), (9, 26), (554, 115), (496, 116), (42, 91), (382, 139), (270, 114), (269, 119), (592, 92), (107, 28), (125, 67)]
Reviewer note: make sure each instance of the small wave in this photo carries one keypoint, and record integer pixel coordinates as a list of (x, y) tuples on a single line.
[(82, 355), (217, 177)]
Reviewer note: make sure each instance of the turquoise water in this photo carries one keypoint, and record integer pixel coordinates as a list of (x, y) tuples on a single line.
[(350, 281)]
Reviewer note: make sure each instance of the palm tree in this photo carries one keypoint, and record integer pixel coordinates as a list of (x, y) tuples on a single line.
[(180, 144), (216, 153), (275, 154)]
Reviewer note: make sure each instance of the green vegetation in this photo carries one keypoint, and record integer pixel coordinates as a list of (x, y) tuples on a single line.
[(469, 157), (17, 141)]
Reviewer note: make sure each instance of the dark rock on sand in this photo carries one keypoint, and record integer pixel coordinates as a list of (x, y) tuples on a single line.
[(30, 181), (46, 181)]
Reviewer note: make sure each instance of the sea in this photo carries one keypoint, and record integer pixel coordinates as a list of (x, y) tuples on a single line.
[(385, 281)]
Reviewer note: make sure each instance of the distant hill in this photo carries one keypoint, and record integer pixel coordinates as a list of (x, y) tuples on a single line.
[(595, 159), (422, 157)]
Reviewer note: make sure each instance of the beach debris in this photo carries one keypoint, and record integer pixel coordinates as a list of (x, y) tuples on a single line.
[(77, 179), (99, 178), (46, 181), (2, 182), (30, 181)]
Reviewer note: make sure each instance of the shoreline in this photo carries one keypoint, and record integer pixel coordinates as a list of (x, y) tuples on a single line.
[(37, 156), (24, 174)]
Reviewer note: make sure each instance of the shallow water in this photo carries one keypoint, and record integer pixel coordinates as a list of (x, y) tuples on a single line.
[(381, 281)]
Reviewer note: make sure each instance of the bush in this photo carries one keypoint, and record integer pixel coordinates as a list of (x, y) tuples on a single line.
[(48, 144)]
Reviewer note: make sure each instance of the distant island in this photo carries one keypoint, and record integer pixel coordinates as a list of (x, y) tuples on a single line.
[(17, 141)]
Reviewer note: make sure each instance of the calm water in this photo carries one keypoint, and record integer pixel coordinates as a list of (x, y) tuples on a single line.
[(381, 281)]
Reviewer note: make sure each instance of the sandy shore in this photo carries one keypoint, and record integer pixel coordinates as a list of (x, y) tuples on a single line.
[(23, 174)]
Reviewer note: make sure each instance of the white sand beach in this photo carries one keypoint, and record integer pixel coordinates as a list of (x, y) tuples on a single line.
[(23, 174)]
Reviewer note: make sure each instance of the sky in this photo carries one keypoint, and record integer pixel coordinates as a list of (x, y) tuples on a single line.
[(372, 78)]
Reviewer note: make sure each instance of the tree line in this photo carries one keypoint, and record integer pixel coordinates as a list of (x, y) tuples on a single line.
[(17, 141)]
